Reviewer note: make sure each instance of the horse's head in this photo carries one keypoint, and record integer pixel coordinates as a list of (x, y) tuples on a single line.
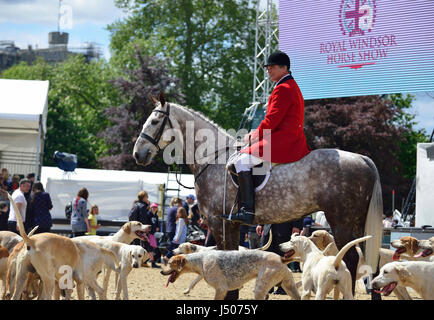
[(152, 138)]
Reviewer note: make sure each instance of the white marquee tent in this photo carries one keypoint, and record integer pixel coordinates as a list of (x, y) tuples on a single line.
[(113, 191), (424, 185), (23, 117)]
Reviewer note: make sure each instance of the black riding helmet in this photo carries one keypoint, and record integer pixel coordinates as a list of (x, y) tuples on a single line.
[(280, 58)]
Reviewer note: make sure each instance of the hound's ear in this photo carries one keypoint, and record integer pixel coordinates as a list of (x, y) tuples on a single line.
[(402, 272), (162, 98), (414, 244), (180, 261), (127, 227), (153, 100), (325, 241), (193, 248)]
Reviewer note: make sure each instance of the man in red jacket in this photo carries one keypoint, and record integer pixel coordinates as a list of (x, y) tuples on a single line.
[(279, 138)]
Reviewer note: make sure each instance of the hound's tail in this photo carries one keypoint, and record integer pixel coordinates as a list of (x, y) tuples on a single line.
[(267, 245), (341, 253), (28, 241), (33, 231), (374, 224)]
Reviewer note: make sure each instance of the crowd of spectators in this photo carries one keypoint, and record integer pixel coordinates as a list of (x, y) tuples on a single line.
[(180, 215), (35, 205), (30, 198)]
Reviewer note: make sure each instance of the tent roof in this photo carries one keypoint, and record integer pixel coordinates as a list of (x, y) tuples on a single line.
[(22, 103), (111, 176)]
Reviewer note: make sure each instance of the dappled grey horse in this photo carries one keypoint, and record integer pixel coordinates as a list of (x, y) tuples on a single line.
[(346, 186)]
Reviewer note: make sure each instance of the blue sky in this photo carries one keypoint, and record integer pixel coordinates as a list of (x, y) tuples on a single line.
[(423, 108), (28, 22)]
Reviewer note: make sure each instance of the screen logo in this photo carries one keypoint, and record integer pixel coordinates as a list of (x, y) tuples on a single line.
[(356, 17), (360, 46)]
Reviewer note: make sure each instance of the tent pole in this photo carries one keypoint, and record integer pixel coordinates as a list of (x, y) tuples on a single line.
[(38, 151)]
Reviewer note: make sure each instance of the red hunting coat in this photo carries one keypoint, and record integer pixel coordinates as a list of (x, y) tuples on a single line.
[(284, 141)]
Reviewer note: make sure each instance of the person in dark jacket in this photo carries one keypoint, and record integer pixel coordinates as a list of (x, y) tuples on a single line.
[(4, 214), (30, 219), (40, 206), (155, 227), (190, 205), (175, 203), (139, 212)]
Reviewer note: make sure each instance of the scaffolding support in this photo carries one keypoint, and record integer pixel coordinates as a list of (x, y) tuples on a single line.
[(266, 41)]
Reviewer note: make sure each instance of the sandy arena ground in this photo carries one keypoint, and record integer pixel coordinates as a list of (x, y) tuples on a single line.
[(149, 284)]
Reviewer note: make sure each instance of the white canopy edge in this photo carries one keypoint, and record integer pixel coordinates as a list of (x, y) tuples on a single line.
[(424, 185), (112, 190), (23, 104)]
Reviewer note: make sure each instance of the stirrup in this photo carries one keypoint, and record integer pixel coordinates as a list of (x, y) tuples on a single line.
[(243, 216)]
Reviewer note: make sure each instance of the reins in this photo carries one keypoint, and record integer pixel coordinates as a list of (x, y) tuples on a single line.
[(203, 169)]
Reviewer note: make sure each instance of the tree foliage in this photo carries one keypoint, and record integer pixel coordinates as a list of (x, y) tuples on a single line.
[(408, 146), (126, 118), (78, 95), (210, 45), (369, 125)]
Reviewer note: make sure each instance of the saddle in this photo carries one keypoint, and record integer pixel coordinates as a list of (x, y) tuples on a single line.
[(261, 172)]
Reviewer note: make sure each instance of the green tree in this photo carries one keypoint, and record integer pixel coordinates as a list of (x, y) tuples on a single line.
[(79, 92), (378, 127), (127, 118), (411, 136), (210, 45)]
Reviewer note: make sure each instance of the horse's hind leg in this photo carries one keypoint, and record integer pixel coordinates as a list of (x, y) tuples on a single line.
[(351, 258)]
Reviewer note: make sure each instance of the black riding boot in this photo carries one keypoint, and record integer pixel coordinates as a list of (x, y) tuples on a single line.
[(246, 212)]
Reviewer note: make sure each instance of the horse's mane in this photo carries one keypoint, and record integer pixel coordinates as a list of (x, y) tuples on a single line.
[(203, 117)]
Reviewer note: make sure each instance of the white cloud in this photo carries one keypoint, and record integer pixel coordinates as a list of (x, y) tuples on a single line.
[(23, 39), (38, 17), (99, 12)]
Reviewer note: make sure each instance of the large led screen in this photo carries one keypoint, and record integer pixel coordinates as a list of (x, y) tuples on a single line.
[(344, 48)]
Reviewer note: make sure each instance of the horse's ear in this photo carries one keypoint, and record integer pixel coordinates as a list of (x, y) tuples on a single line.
[(162, 98), (153, 100)]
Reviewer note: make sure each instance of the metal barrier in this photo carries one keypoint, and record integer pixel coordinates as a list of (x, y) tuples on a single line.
[(63, 227), (390, 234)]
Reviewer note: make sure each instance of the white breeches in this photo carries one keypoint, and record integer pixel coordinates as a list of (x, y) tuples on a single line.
[(246, 162)]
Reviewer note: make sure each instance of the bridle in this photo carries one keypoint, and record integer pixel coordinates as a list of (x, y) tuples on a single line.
[(157, 138), (159, 134)]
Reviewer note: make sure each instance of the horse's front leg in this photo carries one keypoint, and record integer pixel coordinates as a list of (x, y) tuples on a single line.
[(227, 239)]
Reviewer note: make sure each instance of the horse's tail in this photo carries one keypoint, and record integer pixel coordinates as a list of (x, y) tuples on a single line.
[(374, 224)]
